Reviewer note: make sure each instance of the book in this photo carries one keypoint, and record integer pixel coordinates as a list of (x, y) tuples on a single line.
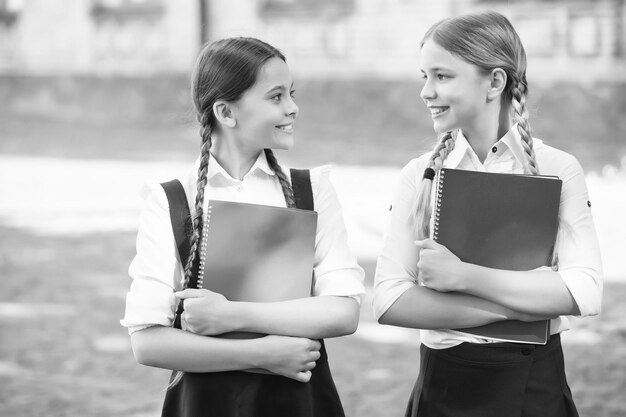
[(501, 221), (257, 253)]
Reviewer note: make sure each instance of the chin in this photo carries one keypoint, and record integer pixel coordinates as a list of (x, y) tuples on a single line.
[(283, 144), (441, 128)]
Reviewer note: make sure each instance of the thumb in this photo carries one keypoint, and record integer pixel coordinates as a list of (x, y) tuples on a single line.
[(426, 244), (189, 293)]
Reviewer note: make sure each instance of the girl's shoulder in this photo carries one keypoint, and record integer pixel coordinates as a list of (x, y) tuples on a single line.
[(414, 169), (554, 161), (320, 179), (153, 194)]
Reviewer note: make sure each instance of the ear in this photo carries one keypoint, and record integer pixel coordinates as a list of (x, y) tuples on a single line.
[(497, 84), (224, 114)]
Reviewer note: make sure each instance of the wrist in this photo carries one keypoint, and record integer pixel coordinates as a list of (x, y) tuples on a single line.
[(463, 279), (258, 353), (236, 315)]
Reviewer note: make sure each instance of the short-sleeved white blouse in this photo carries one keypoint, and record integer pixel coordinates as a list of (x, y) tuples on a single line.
[(579, 266), (157, 272)]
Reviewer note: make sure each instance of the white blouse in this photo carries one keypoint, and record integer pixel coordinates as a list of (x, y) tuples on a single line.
[(580, 265), (157, 272)]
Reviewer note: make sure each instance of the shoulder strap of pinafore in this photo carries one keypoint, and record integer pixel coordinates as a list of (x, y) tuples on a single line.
[(302, 191), (180, 217)]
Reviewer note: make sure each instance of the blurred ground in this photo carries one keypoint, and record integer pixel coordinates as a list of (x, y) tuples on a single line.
[(69, 175)]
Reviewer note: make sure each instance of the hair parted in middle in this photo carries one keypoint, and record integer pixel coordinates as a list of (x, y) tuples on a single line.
[(488, 41)]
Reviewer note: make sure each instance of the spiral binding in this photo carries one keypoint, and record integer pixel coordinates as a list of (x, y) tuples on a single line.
[(203, 246), (437, 209)]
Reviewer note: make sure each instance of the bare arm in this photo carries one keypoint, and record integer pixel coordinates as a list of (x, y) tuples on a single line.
[(210, 313), (423, 308), (533, 292), (540, 292), (169, 348)]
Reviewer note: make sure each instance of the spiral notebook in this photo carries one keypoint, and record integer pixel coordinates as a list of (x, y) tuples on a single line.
[(257, 253), (502, 221)]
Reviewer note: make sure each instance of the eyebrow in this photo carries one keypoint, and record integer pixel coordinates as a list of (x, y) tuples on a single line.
[(436, 69), (278, 87)]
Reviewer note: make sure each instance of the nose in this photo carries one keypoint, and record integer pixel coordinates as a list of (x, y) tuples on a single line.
[(428, 91), (292, 108)]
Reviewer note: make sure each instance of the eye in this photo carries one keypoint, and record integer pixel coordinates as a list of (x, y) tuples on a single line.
[(276, 97), (292, 93), (423, 76), (441, 76)]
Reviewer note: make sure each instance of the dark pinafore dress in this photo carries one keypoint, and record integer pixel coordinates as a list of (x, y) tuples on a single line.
[(246, 394)]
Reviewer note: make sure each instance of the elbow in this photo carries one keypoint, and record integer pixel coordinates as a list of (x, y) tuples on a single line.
[(347, 321), (141, 354), (142, 351)]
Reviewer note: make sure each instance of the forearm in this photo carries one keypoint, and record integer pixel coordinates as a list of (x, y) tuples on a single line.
[(169, 348), (314, 317), (423, 308), (533, 292)]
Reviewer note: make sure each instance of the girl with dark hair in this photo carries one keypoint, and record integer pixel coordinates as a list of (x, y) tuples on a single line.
[(242, 91), (474, 68)]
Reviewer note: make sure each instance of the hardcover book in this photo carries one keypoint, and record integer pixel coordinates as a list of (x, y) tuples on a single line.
[(501, 221)]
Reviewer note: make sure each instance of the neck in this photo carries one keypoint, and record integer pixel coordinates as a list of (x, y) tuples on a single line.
[(485, 133), (236, 161)]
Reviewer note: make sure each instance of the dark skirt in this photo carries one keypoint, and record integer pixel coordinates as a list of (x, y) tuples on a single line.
[(246, 394), (500, 380)]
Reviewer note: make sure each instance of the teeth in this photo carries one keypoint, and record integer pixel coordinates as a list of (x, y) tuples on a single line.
[(437, 110), (286, 128)]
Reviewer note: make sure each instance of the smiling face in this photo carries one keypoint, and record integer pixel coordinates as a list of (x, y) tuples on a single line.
[(455, 91), (265, 113)]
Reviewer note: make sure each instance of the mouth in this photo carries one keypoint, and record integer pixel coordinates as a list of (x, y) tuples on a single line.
[(436, 111), (287, 128)]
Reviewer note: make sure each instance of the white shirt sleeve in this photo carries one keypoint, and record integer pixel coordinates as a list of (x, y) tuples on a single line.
[(336, 271), (396, 269), (579, 262), (155, 271)]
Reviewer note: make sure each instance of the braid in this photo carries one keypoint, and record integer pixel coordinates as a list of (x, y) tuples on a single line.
[(421, 212), (197, 215), (521, 117), (205, 133), (282, 178)]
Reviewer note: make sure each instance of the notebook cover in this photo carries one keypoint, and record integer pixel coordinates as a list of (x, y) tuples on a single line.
[(257, 253), (501, 221)]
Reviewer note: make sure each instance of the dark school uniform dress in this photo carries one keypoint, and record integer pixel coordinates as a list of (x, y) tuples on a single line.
[(248, 394), (492, 380)]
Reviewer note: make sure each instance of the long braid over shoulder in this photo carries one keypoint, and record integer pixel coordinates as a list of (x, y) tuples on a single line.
[(518, 102), (422, 209), (282, 178), (197, 216)]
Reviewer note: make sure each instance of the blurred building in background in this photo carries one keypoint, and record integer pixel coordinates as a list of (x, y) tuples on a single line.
[(577, 40)]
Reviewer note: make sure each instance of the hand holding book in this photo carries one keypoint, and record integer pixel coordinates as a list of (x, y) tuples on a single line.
[(205, 312), (439, 268)]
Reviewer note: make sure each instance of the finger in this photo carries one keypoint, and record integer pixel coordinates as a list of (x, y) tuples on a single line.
[(309, 365), (426, 244), (189, 293), (303, 376), (315, 345), (316, 355)]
